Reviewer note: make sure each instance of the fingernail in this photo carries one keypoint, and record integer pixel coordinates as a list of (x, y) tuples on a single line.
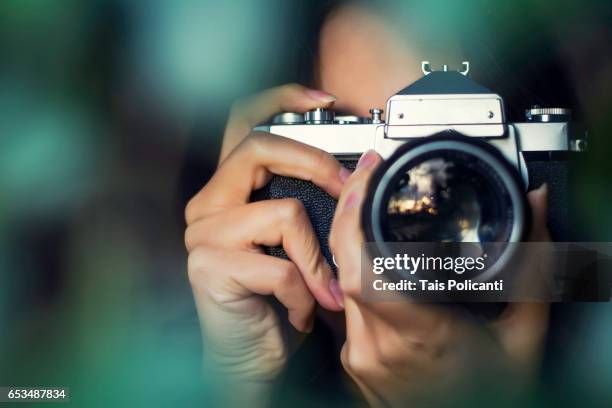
[(366, 159), (334, 288), (320, 96), (344, 174), (543, 188), (352, 200)]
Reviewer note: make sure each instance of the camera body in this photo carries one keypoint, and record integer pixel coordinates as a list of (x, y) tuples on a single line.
[(441, 102)]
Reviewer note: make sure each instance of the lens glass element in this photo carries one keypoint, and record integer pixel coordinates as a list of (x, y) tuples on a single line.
[(447, 196)]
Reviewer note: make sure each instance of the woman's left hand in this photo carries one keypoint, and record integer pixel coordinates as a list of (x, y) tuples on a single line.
[(399, 351)]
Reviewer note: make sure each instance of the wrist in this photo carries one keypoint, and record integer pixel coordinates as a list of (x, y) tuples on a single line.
[(236, 384)]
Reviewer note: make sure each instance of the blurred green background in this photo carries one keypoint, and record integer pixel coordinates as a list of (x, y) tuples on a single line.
[(97, 100)]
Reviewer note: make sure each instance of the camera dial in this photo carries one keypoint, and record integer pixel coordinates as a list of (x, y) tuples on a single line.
[(288, 118), (543, 115), (319, 116)]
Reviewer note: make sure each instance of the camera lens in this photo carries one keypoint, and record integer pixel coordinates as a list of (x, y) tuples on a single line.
[(446, 188), (447, 196)]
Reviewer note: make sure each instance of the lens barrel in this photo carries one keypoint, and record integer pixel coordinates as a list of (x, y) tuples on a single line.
[(446, 188)]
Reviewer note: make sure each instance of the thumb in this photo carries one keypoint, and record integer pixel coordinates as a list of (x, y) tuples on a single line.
[(522, 327), (538, 200), (346, 235)]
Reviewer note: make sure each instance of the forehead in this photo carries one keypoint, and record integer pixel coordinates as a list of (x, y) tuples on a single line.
[(364, 58)]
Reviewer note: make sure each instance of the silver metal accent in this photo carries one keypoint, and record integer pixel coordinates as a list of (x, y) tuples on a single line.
[(407, 132), (536, 110), (579, 145), (348, 139), (350, 119), (376, 115), (334, 261), (354, 139), (288, 118), (475, 114), (319, 116), (537, 137), (426, 68), (538, 114)]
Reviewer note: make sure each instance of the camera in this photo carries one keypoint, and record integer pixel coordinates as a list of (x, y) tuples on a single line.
[(455, 169)]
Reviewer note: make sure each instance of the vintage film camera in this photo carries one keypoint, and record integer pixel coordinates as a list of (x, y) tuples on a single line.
[(455, 170)]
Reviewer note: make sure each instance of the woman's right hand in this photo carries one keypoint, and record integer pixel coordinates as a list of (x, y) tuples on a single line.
[(227, 267)]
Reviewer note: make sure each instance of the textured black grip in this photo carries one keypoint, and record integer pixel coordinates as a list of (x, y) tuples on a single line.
[(557, 175), (319, 206)]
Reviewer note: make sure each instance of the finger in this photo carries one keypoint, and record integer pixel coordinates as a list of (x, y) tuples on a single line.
[(521, 331), (522, 327), (257, 108), (346, 235), (249, 273), (538, 200), (270, 223), (251, 166)]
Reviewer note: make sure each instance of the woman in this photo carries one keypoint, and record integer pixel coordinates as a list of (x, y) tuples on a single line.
[(391, 352)]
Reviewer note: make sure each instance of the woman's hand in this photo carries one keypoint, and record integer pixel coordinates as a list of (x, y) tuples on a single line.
[(228, 270), (399, 351)]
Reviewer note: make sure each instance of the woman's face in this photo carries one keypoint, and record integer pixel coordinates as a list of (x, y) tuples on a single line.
[(364, 59)]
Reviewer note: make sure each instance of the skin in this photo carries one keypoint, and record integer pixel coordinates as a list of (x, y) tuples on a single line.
[(392, 351)]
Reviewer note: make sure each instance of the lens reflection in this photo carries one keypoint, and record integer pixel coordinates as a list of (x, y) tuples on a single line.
[(448, 196)]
